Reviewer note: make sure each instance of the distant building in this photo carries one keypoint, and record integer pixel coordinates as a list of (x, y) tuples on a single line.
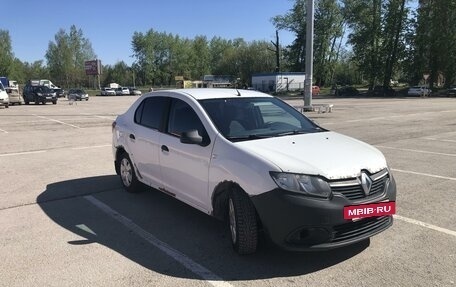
[(278, 82), (218, 81)]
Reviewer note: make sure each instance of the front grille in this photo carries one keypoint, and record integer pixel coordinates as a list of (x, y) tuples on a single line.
[(364, 227), (353, 190)]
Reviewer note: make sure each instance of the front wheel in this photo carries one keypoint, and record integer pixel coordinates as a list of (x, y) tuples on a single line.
[(242, 222), (127, 174)]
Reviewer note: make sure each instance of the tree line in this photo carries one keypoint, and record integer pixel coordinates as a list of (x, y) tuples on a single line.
[(368, 42)]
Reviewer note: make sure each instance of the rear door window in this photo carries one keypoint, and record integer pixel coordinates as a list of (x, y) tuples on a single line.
[(151, 111)]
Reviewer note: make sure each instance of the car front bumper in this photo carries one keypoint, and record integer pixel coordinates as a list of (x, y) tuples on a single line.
[(298, 222), (47, 99)]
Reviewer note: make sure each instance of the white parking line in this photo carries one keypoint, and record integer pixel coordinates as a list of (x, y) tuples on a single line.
[(22, 153), (386, 117), (89, 147), (183, 259), (424, 174), (427, 225), (3, 131), (440, 140), (57, 121), (417, 151), (43, 151), (112, 118)]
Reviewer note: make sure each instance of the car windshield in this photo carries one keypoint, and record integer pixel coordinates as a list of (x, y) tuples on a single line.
[(241, 119), (43, 89)]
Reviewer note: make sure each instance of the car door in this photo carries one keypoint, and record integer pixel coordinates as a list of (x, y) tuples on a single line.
[(185, 167), (143, 140)]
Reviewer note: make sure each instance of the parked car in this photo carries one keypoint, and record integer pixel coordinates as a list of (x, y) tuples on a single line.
[(4, 98), (14, 96), (120, 91), (383, 91), (59, 92), (347, 92), (419, 91), (77, 95), (108, 92), (135, 92), (38, 94), (257, 162), (451, 91)]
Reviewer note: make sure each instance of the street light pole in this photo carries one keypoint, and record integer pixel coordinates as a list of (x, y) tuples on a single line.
[(309, 53)]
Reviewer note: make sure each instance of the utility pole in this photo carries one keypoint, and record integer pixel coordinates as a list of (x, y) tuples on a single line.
[(309, 53), (276, 51)]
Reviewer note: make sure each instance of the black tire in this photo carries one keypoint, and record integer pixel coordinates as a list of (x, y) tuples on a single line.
[(54, 102), (242, 222), (7, 106), (26, 102), (127, 174)]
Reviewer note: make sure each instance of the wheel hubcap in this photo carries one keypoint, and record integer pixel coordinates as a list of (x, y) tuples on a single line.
[(126, 172), (232, 221)]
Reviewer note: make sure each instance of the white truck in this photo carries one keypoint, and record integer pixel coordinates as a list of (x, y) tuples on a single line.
[(4, 98)]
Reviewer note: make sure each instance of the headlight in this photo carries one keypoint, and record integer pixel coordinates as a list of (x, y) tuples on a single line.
[(39, 94), (306, 184)]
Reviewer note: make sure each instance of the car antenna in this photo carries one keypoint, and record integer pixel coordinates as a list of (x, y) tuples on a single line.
[(238, 93)]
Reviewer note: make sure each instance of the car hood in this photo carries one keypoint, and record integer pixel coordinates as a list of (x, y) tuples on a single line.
[(328, 154)]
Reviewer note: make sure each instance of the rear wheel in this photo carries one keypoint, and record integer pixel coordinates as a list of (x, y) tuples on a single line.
[(127, 174), (242, 222)]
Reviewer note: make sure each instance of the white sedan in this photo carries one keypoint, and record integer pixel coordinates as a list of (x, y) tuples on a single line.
[(255, 161), (108, 92)]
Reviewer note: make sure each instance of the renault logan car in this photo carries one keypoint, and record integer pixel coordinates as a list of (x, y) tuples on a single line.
[(78, 95), (257, 162)]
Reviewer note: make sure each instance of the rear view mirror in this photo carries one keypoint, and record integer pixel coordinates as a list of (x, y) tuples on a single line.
[(191, 137)]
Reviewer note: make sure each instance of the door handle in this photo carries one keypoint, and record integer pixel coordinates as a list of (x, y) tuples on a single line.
[(132, 136), (164, 148)]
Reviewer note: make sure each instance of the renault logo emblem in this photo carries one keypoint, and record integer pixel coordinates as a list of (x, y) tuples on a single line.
[(366, 183)]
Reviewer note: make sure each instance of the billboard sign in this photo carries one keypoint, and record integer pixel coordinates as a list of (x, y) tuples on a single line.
[(92, 67)]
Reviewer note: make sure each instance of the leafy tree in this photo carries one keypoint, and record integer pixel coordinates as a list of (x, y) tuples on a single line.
[(66, 55), (35, 70), (377, 36), (295, 22), (327, 29), (6, 53), (433, 42)]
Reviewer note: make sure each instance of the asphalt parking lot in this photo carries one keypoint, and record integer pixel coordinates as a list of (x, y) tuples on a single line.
[(65, 220)]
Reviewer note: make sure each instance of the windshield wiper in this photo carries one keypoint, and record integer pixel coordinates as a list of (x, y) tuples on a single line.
[(293, 132), (248, 137)]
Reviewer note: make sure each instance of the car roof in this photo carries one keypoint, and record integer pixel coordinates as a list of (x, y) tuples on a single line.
[(215, 93)]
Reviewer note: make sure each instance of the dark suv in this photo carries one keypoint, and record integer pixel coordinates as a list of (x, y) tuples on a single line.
[(452, 91), (39, 94)]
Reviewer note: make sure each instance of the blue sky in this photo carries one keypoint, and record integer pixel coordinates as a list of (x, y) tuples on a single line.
[(109, 25)]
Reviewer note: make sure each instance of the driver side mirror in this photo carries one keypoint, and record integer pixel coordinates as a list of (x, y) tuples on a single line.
[(192, 137)]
